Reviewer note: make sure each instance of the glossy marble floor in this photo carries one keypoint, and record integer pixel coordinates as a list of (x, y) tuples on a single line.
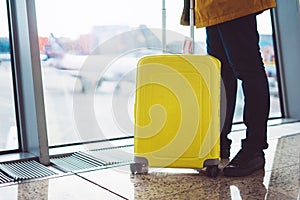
[(279, 180)]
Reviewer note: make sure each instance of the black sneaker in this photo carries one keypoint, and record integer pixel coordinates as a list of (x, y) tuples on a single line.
[(244, 164)]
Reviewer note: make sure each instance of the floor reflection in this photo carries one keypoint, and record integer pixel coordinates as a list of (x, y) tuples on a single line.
[(280, 182), (195, 186)]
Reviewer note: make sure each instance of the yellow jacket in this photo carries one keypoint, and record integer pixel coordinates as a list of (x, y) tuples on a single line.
[(211, 12)]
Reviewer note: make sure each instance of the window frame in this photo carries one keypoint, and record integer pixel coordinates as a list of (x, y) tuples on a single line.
[(27, 79)]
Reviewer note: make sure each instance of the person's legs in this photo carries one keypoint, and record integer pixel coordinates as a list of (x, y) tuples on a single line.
[(240, 39), (228, 89)]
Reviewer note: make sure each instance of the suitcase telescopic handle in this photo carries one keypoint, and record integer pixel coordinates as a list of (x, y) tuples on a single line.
[(164, 26), (192, 30)]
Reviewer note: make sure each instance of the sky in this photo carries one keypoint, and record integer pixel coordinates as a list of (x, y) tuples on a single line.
[(70, 18)]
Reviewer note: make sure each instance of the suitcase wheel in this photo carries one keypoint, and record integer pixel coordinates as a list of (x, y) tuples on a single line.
[(212, 171), (139, 168)]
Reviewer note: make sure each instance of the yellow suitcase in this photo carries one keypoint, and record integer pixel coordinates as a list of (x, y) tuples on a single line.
[(177, 113)]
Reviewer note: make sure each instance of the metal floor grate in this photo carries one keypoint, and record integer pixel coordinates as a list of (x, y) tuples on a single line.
[(5, 179), (93, 159), (76, 161), (114, 155), (24, 170)]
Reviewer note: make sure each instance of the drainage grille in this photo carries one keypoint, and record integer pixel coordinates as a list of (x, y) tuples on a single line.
[(24, 170), (114, 155), (4, 178), (93, 159), (76, 161)]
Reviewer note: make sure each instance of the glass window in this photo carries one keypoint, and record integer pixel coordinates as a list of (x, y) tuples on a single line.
[(8, 128), (268, 54), (88, 63), (89, 60)]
